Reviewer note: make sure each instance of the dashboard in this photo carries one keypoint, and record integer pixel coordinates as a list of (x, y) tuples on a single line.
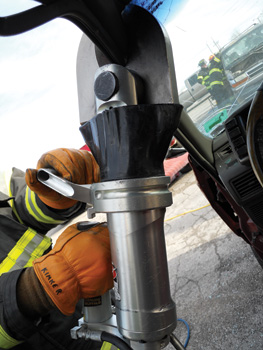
[(234, 168)]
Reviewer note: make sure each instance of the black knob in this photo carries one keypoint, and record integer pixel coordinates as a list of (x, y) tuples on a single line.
[(105, 86)]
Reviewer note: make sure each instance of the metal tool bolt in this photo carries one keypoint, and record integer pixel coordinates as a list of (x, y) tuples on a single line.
[(106, 85)]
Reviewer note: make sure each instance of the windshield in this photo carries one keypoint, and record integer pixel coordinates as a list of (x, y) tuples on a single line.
[(244, 46), (218, 55), (218, 61)]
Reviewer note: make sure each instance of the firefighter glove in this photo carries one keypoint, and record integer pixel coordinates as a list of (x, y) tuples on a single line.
[(78, 166), (79, 266)]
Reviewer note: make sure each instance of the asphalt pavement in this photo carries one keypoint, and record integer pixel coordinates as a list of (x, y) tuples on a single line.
[(215, 279)]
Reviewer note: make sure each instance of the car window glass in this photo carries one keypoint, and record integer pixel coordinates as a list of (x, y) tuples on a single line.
[(218, 55)]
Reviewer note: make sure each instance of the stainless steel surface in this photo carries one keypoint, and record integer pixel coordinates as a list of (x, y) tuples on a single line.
[(126, 92), (113, 196), (109, 326), (144, 308), (86, 69), (68, 189), (98, 313), (131, 195), (85, 333)]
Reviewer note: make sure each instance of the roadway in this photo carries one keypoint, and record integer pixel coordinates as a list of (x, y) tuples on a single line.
[(215, 279)]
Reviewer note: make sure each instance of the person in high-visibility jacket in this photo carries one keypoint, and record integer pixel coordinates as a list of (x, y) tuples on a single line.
[(203, 74), (203, 77), (217, 80), (41, 285)]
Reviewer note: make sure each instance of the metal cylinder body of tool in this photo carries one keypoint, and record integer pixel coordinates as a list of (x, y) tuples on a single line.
[(143, 304), (135, 213), (129, 143), (97, 309)]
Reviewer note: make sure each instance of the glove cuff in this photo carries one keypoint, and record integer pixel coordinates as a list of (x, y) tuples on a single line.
[(32, 299), (59, 281)]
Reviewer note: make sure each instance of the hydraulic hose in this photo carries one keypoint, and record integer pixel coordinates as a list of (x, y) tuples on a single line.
[(119, 343), (176, 343)]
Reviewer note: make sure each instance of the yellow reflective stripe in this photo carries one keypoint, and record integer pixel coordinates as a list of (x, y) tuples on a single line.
[(216, 59), (7, 342), (21, 247), (217, 83), (35, 211), (40, 249), (108, 346), (17, 250), (215, 70)]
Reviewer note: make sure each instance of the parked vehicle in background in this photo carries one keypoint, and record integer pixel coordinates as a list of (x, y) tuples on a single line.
[(193, 91), (242, 60)]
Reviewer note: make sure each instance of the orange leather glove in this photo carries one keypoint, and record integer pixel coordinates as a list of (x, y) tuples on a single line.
[(78, 166), (79, 266)]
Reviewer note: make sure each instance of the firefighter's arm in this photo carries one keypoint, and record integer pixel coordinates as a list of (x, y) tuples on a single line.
[(200, 79), (14, 326), (41, 208), (78, 267)]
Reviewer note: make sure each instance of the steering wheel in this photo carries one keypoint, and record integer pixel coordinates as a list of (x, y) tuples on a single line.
[(255, 134)]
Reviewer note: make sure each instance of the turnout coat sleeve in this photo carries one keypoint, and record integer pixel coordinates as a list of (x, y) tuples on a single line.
[(24, 222)]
